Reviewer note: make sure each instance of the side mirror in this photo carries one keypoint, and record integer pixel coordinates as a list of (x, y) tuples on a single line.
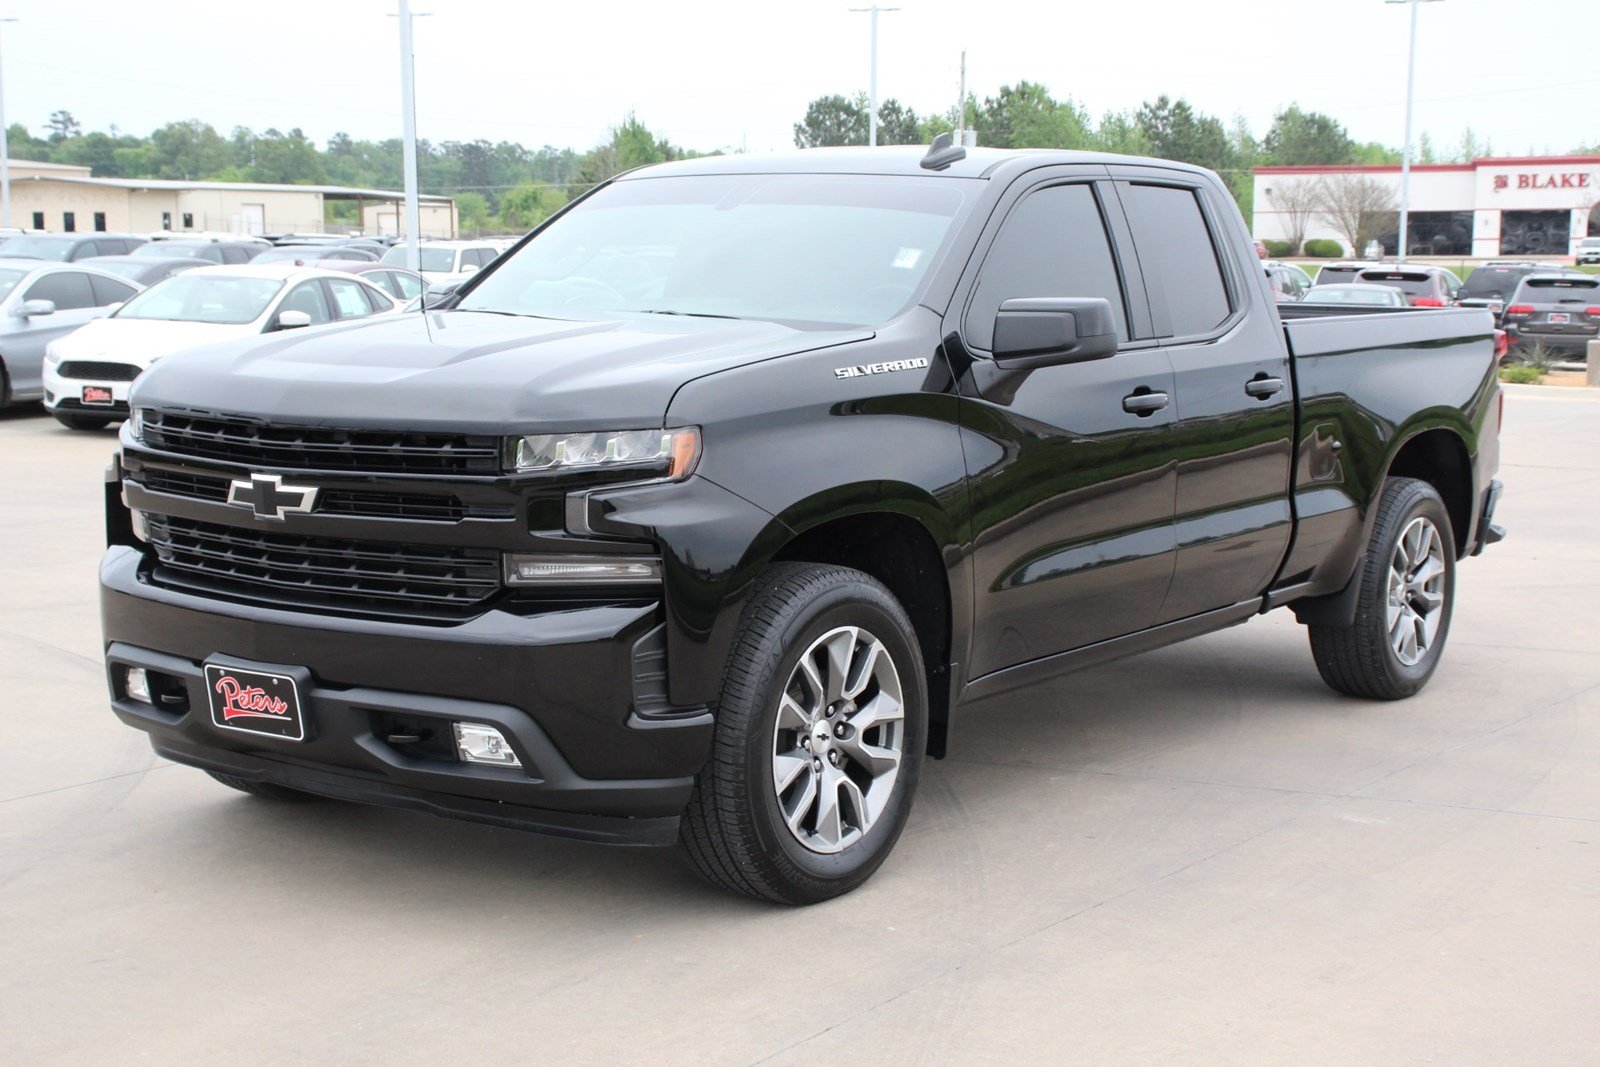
[(29, 308), (1044, 331), (293, 320), (435, 295), (469, 268)]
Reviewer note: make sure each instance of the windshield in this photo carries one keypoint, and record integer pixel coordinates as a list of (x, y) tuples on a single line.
[(1590, 242), (1558, 290), (1412, 283), (1375, 296), (822, 249), (1492, 281), (204, 298), (1337, 274), (441, 260), (56, 248), (9, 280), (167, 250)]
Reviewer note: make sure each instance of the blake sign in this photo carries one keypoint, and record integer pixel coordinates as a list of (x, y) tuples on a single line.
[(1571, 180)]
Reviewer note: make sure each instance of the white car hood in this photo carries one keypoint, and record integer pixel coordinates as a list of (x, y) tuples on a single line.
[(143, 341)]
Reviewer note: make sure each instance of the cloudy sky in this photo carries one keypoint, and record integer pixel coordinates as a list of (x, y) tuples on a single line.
[(711, 74)]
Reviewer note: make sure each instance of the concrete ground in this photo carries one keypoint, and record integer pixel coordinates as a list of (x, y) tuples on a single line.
[(1197, 856)]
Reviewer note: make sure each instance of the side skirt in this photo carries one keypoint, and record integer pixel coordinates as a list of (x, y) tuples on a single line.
[(1039, 670)]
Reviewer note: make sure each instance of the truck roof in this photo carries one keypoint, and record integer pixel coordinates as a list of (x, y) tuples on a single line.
[(891, 160)]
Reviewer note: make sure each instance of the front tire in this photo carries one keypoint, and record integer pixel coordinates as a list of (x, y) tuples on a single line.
[(1403, 608), (821, 727)]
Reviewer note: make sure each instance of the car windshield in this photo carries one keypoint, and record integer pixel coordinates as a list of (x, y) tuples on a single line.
[(167, 250), (56, 248), (1558, 290), (440, 260), (802, 249), (1373, 296), (9, 280), (1413, 283), (215, 298), (1492, 281), (1590, 242)]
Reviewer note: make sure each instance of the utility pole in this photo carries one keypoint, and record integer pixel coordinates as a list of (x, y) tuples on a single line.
[(408, 154), (5, 156), (1405, 158), (872, 84)]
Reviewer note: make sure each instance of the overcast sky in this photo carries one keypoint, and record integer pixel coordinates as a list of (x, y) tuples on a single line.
[(712, 74)]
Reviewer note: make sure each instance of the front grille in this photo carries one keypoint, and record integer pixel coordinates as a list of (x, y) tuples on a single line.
[(101, 372), (254, 444), (360, 576), (357, 503)]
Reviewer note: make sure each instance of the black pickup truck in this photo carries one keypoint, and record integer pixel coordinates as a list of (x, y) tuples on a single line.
[(701, 515)]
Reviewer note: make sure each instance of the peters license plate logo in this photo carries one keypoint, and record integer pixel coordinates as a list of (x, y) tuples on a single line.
[(1560, 316), (94, 394), (254, 702)]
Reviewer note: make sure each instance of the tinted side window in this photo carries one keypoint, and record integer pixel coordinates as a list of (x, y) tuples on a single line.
[(307, 297), (234, 255), (404, 286), (1181, 272), (107, 291), (1053, 243), (349, 299), (67, 289)]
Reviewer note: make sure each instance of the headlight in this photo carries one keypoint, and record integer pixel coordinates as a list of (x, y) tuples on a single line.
[(670, 453), (50, 353), (136, 424)]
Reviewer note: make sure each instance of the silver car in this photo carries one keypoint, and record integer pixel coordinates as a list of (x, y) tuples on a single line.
[(40, 302)]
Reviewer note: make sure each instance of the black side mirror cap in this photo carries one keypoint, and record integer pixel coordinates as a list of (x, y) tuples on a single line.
[(1045, 331)]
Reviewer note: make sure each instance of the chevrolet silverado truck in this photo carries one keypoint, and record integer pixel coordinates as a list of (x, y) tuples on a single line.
[(703, 515)]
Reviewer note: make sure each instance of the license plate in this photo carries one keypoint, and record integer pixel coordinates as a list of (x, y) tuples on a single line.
[(255, 702), (94, 394), (1559, 317)]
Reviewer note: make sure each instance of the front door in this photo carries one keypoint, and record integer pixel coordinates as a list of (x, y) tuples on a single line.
[(1070, 466), (1234, 437)]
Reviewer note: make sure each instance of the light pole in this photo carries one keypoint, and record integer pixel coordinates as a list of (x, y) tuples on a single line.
[(5, 156), (1405, 158), (408, 148), (872, 84)]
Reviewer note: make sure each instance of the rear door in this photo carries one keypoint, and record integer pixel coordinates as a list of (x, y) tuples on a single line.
[(73, 295), (1234, 432), (1070, 465)]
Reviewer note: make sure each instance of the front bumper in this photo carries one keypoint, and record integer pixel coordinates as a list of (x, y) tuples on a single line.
[(559, 684), (65, 394)]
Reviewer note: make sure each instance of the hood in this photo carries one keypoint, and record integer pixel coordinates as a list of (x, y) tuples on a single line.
[(467, 371), (143, 341)]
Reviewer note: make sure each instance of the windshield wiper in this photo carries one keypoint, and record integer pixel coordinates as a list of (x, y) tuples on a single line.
[(689, 314)]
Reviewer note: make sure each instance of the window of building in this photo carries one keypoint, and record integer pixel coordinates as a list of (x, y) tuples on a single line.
[(188, 220), (99, 222), (38, 220), (69, 221), (166, 220)]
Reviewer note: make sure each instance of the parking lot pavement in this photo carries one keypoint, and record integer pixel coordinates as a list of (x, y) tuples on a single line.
[(1197, 855)]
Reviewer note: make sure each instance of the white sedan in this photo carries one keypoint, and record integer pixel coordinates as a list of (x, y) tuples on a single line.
[(94, 367)]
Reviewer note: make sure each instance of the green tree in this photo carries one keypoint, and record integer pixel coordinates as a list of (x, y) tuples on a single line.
[(23, 145), (1118, 132), (286, 158), (472, 210), (897, 124), (527, 205), (1025, 115), (1306, 138), (1175, 131), (63, 127), (189, 150), (831, 121)]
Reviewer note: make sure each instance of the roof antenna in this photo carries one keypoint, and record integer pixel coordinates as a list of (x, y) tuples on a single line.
[(943, 152)]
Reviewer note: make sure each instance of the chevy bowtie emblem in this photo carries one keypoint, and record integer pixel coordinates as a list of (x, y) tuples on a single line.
[(269, 498)]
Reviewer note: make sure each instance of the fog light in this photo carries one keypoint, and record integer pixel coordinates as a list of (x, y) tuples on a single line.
[(138, 685), (141, 524), (582, 570), (477, 743)]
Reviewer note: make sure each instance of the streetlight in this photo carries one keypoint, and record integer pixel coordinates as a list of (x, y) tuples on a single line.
[(872, 85), (1405, 158), (5, 158), (408, 146)]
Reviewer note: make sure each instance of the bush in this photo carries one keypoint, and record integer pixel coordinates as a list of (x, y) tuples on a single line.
[(1520, 375), (1279, 249), (1322, 248)]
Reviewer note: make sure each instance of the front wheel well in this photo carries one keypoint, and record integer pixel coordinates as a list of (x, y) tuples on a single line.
[(899, 552), (1439, 457)]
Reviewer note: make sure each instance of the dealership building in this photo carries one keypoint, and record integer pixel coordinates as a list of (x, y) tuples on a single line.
[(1526, 206), (65, 198)]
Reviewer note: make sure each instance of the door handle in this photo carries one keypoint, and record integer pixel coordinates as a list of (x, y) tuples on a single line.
[(1143, 404), (1262, 387)]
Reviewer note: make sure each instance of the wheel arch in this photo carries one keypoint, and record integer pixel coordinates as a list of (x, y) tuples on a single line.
[(1438, 455)]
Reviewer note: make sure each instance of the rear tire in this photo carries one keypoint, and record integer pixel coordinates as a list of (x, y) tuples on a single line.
[(1403, 609), (267, 790), (81, 422), (820, 732)]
